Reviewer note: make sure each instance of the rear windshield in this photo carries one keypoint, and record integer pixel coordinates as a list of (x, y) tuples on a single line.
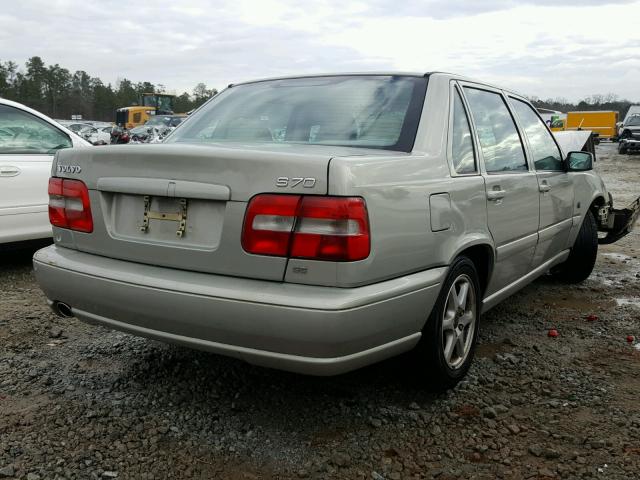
[(359, 111)]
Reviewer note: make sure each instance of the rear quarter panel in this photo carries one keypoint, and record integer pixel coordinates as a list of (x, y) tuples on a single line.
[(397, 189), (397, 192)]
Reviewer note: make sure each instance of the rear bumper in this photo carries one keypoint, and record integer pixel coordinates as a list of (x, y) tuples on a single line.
[(301, 328)]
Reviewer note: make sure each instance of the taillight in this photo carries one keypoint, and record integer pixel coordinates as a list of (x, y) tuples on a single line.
[(69, 205), (331, 228), (313, 227), (268, 224)]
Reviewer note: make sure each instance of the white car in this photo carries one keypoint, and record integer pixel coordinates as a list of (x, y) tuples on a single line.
[(72, 125), (28, 142), (96, 135)]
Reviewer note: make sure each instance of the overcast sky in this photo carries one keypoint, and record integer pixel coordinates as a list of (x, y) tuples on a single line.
[(546, 48)]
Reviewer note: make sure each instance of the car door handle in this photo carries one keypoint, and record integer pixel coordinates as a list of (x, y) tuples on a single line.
[(495, 194), (9, 171), (544, 187)]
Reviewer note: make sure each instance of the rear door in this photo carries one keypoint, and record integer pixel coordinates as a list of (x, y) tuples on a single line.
[(511, 185), (27, 146), (554, 184)]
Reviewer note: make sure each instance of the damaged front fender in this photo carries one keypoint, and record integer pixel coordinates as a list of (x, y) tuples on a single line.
[(617, 222)]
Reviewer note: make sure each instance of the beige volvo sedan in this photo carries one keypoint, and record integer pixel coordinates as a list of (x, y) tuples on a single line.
[(322, 223)]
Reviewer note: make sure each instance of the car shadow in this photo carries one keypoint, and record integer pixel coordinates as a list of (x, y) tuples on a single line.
[(199, 383), (205, 383), (20, 254)]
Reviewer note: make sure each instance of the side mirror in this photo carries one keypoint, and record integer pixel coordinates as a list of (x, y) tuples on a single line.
[(579, 161)]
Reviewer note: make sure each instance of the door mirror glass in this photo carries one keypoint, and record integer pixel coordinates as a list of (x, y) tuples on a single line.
[(579, 161)]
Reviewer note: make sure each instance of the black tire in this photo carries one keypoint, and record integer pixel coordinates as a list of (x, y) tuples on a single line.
[(622, 149), (430, 352), (582, 258)]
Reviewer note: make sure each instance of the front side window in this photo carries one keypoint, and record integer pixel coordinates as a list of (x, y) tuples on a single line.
[(461, 141), (360, 111), (137, 117), (546, 154), (23, 133), (499, 140)]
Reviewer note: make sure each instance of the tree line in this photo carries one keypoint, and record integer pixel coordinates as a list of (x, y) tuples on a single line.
[(55, 91), (610, 102)]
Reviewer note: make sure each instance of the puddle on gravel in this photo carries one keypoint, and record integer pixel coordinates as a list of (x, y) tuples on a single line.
[(634, 301), (617, 269), (489, 350), (578, 301), (618, 256)]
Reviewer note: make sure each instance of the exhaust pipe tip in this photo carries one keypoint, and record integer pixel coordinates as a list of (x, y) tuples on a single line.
[(62, 309)]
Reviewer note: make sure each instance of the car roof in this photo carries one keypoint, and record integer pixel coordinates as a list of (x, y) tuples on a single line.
[(341, 74), (446, 75), (42, 116)]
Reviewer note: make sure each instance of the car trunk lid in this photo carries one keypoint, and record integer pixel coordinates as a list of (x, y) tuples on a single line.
[(183, 206)]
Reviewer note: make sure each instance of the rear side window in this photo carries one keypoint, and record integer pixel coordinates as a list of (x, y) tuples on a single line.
[(499, 140), (23, 133), (461, 142), (546, 155)]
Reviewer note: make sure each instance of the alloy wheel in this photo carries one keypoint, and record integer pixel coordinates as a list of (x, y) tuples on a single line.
[(459, 321)]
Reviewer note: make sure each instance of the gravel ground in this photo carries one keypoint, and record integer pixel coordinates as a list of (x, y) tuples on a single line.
[(78, 401)]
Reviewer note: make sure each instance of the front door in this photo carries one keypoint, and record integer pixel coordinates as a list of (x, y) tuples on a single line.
[(511, 187), (27, 146), (556, 189)]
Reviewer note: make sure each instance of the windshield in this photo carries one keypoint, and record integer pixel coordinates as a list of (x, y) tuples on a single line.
[(633, 121), (359, 111), (158, 120), (163, 103)]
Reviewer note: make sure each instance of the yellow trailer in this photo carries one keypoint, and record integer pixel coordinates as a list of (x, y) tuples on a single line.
[(601, 122)]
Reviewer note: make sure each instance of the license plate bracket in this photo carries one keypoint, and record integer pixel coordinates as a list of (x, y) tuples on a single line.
[(180, 216)]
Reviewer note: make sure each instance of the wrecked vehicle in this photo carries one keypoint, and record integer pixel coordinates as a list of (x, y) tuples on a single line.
[(100, 135), (319, 224), (629, 140), (154, 131), (119, 135)]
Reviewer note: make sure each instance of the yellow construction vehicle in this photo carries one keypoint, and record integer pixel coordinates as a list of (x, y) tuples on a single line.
[(150, 104)]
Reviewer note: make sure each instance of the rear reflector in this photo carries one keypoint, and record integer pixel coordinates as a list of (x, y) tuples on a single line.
[(69, 205), (313, 227)]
